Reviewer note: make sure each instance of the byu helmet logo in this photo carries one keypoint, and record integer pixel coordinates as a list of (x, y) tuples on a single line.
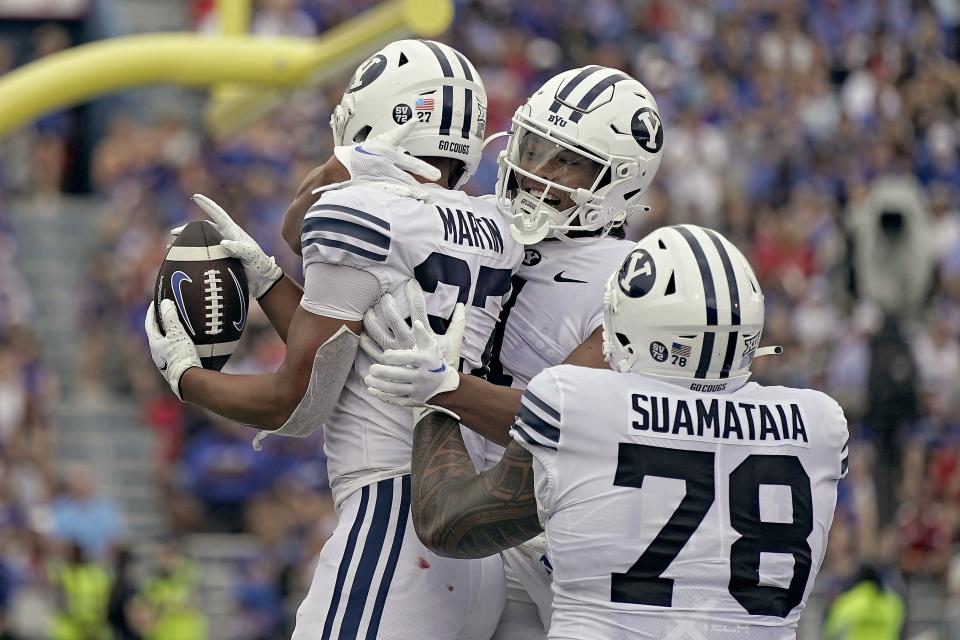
[(368, 72), (647, 129), (637, 274)]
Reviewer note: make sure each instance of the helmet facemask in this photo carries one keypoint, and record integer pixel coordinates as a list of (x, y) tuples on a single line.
[(557, 187)]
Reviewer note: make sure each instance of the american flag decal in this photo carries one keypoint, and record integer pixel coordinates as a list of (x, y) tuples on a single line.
[(680, 350), (423, 104)]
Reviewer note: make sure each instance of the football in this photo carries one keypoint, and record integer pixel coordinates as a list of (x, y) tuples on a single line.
[(210, 290)]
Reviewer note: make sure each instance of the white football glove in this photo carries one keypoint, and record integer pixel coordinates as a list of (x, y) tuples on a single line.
[(410, 377), (261, 270), (384, 326), (174, 352), (382, 163)]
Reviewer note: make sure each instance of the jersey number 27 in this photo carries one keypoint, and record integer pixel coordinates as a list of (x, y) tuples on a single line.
[(440, 268), (643, 584)]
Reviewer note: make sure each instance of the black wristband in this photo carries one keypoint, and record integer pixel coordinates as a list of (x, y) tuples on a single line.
[(270, 288)]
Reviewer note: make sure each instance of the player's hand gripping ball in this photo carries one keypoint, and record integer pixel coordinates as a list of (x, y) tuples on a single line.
[(209, 289)]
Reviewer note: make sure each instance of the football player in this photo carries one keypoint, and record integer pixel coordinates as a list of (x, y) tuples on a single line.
[(359, 242), (678, 499), (582, 152)]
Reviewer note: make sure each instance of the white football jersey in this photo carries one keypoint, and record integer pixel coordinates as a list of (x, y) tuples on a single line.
[(555, 305), (459, 249), (672, 513)]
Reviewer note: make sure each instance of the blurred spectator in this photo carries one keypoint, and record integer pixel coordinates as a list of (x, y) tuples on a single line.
[(7, 587), (926, 536), (892, 405), (84, 517), (170, 595), (127, 614), (84, 591), (259, 600), (13, 396), (283, 17), (221, 469), (868, 610)]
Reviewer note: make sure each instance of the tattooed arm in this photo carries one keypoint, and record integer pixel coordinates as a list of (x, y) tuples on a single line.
[(458, 513)]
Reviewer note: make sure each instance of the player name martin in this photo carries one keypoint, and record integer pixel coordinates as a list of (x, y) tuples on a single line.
[(716, 419), (466, 228)]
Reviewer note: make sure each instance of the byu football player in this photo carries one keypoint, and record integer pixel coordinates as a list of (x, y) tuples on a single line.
[(582, 152), (678, 499), (361, 240)]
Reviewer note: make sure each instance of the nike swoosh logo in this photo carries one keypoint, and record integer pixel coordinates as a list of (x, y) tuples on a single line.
[(559, 278), (366, 153), (440, 369), (243, 303), (176, 281)]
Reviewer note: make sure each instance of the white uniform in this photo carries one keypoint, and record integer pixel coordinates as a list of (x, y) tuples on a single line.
[(556, 304), (671, 513), (375, 579)]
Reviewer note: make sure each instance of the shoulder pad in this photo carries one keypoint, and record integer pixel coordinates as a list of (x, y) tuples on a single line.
[(538, 420), (344, 227)]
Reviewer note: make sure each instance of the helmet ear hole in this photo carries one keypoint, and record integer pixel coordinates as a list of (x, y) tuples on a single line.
[(362, 134), (457, 170), (622, 339)]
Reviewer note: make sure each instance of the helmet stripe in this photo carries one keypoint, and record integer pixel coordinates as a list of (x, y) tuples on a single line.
[(464, 64), (731, 276), (591, 95), (730, 353), (706, 353), (734, 302), (467, 113), (570, 86), (706, 274), (710, 297), (446, 117), (441, 58)]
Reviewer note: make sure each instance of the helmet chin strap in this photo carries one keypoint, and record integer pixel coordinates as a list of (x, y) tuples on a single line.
[(495, 136)]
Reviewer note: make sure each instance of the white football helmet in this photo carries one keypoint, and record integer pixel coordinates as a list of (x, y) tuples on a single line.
[(420, 79), (684, 306), (594, 126)]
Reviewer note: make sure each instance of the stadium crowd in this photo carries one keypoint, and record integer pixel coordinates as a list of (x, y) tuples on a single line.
[(823, 137)]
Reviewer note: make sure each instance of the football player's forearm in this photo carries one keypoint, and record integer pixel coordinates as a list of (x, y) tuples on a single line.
[(256, 400), (328, 173), (484, 407), (293, 220), (458, 513), (280, 303)]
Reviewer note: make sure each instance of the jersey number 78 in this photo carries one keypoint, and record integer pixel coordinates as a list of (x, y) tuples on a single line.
[(643, 584)]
